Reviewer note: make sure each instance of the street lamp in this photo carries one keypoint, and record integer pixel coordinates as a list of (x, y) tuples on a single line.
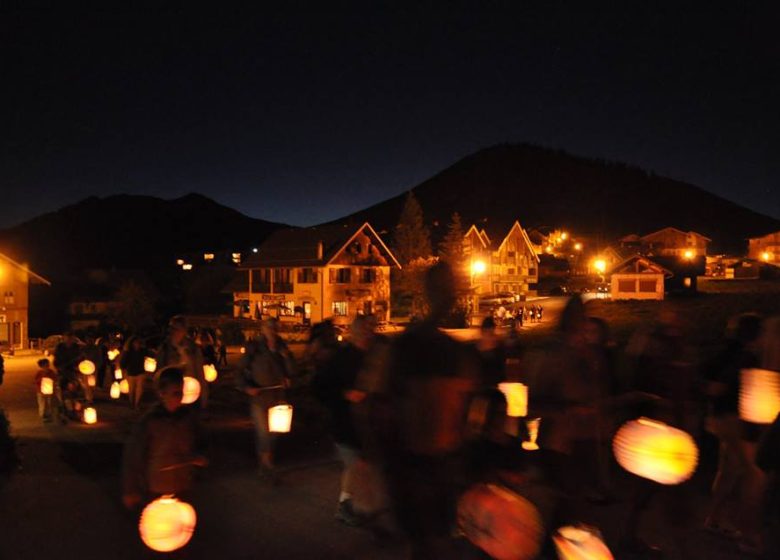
[(600, 265), (689, 254), (478, 267), (765, 256), (578, 246)]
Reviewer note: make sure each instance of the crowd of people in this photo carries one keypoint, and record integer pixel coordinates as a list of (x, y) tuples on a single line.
[(419, 423)]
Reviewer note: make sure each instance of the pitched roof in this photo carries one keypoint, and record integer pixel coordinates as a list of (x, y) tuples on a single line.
[(34, 278), (516, 224), (300, 247), (636, 256), (675, 230)]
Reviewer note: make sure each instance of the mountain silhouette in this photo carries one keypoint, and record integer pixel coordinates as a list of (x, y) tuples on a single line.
[(550, 188), (129, 232)]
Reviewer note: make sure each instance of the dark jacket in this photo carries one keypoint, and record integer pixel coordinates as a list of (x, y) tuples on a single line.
[(329, 385), (261, 367), (66, 358), (162, 439)]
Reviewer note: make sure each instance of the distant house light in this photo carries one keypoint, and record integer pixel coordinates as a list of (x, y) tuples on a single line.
[(689, 254), (578, 246), (179, 262), (564, 235), (186, 266), (208, 257), (236, 258), (687, 282), (254, 250), (766, 256)]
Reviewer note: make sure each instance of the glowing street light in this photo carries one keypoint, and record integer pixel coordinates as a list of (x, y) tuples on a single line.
[(578, 246), (766, 256), (689, 254), (564, 235), (600, 265), (478, 267)]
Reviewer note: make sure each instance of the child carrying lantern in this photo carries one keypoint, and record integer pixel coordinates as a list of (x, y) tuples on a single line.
[(45, 381), (165, 446)]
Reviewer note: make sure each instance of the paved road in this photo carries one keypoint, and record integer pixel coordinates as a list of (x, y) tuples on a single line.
[(65, 501)]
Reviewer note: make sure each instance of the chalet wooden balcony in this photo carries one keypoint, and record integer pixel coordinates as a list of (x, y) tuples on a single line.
[(261, 288)]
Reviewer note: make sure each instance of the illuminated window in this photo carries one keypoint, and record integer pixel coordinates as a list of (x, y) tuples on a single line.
[(236, 258), (340, 308), (208, 257), (186, 266), (8, 297), (287, 308)]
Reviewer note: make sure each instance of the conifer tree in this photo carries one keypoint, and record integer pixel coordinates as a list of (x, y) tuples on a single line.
[(411, 239)]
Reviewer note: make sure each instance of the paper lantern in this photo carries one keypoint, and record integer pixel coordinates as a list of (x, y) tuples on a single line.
[(655, 451), (117, 373), (112, 354), (91, 381), (47, 386), (124, 386), (90, 415), (115, 390), (191, 390), (150, 364), (580, 543), (87, 367), (533, 433), (280, 418), (759, 395), (502, 523), (242, 350), (167, 524), (210, 372), (516, 395)]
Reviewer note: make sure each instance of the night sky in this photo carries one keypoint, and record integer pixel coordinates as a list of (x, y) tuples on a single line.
[(302, 115)]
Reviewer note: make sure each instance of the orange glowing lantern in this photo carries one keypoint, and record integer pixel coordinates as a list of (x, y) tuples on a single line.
[(87, 367), (191, 390), (112, 354), (115, 390), (242, 350), (167, 524), (580, 543), (210, 372), (655, 451), (500, 522), (516, 395), (280, 418), (759, 395), (91, 380), (47, 386), (124, 386), (150, 364), (90, 415), (117, 373)]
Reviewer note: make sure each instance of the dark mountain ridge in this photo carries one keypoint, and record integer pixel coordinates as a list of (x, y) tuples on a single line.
[(545, 187), (129, 231)]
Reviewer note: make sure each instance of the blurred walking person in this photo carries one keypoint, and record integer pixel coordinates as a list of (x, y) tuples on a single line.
[(178, 349), (263, 373), (431, 379), (132, 363)]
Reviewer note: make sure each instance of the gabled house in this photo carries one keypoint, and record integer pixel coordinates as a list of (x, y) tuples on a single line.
[(306, 275), (638, 277), (15, 280), (501, 263), (672, 242), (765, 249)]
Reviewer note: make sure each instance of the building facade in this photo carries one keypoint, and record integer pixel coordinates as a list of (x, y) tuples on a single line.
[(15, 282), (505, 264), (672, 242), (638, 278), (765, 249), (306, 275)]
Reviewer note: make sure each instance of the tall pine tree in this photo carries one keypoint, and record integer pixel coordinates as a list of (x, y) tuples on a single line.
[(411, 239)]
